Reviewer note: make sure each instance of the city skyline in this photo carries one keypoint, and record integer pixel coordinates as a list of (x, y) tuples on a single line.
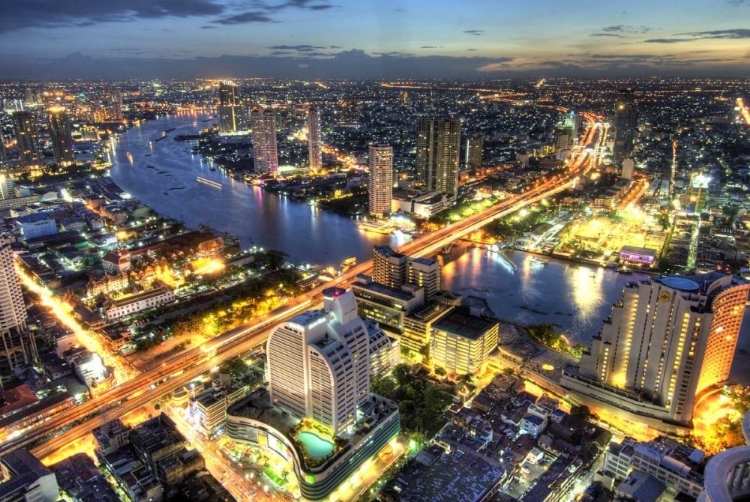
[(321, 39)]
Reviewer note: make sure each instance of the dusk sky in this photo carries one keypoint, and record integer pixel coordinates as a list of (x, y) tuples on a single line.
[(373, 39)]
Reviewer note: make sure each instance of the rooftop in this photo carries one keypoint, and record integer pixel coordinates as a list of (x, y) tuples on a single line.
[(461, 323), (382, 289)]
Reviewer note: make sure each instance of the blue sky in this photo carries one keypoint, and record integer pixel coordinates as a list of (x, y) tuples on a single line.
[(374, 39)]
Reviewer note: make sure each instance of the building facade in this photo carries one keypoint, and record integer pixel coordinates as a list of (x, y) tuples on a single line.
[(381, 179), (138, 302), (626, 121), (667, 340), (474, 146), (461, 343), (424, 273), (388, 267), (61, 134), (232, 115), (334, 377), (24, 478), (18, 346), (315, 138), (438, 149), (26, 137), (263, 122)]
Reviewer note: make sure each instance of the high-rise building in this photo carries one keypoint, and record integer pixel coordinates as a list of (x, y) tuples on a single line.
[(626, 121), (263, 123), (318, 362), (438, 148), (314, 138), (26, 137), (425, 273), (462, 341), (388, 266), (381, 179), (666, 341), (232, 115), (474, 147), (28, 96), (3, 155), (61, 133), (17, 346), (6, 187)]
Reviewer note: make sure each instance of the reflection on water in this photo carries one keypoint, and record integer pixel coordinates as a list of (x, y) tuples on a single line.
[(305, 233), (575, 298)]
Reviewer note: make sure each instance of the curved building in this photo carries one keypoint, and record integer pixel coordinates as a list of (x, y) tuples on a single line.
[(667, 340), (727, 475)]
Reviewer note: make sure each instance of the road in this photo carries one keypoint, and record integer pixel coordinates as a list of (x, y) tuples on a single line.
[(180, 369)]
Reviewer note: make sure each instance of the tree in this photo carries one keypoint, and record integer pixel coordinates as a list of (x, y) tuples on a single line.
[(424, 351), (440, 371), (582, 412), (402, 373), (384, 386), (275, 259)]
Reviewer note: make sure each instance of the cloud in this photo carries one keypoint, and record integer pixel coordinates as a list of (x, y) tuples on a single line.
[(734, 34), (614, 35), (737, 3), (431, 47), (476, 33), (625, 29), (18, 15), (245, 18), (263, 10), (472, 50), (298, 48)]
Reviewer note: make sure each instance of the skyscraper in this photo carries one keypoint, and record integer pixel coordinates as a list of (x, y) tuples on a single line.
[(438, 147), (626, 121), (263, 123), (26, 137), (17, 345), (60, 131), (381, 179), (474, 152), (3, 155), (314, 138), (232, 115), (318, 362), (666, 341), (388, 266)]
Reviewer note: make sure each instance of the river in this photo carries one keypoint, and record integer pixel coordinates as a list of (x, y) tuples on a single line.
[(576, 298), (307, 234)]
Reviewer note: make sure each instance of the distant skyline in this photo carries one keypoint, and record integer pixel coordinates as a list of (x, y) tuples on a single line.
[(384, 39)]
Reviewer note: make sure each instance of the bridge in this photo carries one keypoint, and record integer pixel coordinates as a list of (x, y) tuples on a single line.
[(182, 368)]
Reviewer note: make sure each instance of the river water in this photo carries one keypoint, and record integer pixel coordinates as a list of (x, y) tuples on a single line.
[(575, 298), (305, 233)]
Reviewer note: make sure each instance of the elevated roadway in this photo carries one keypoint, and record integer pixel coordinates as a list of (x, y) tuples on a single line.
[(180, 369)]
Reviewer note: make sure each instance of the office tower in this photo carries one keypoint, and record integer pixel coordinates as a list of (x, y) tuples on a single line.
[(462, 341), (626, 121), (314, 139), (24, 478), (28, 96), (576, 121), (425, 273), (17, 346), (3, 155), (381, 179), (438, 146), (388, 267), (318, 362), (61, 133), (264, 140), (474, 147), (666, 341), (114, 111), (627, 169), (26, 137), (232, 115)]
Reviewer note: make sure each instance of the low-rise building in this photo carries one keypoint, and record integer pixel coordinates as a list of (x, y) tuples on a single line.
[(386, 305), (115, 309), (35, 225), (461, 342), (107, 284), (117, 262)]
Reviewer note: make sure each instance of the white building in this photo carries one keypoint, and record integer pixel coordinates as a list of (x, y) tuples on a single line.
[(314, 138), (36, 225), (381, 179), (385, 352), (17, 347), (263, 123), (667, 340), (133, 304), (318, 362)]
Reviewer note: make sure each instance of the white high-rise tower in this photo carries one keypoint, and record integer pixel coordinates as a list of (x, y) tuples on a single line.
[(16, 346), (318, 362), (263, 122), (381, 179)]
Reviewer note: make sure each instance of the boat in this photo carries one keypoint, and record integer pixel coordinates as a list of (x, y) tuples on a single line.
[(212, 169), (208, 182), (538, 260), (378, 228), (130, 157), (624, 271), (169, 130)]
